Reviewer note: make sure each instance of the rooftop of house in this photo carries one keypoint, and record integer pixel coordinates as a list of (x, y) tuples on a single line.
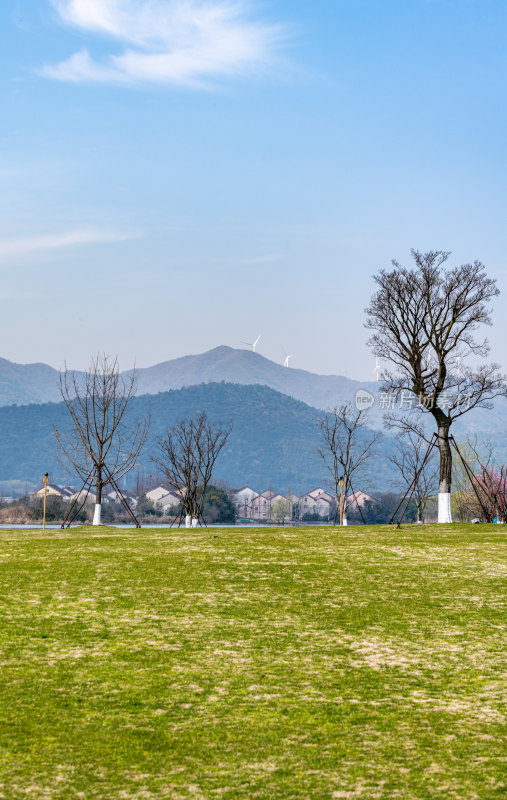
[(358, 498), (66, 491)]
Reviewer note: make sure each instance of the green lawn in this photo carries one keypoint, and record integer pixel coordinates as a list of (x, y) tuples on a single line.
[(289, 663)]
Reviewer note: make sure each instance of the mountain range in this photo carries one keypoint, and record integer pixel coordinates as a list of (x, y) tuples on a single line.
[(22, 384), (274, 410), (274, 438)]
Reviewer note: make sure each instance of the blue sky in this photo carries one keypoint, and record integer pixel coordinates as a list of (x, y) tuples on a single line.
[(177, 175)]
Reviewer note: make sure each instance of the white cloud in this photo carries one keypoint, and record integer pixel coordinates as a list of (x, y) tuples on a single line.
[(56, 241), (180, 42)]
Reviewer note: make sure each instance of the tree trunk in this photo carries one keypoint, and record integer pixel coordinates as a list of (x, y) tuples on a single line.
[(444, 486), (345, 499), (345, 520), (97, 515)]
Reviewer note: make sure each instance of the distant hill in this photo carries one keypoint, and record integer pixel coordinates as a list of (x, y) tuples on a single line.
[(27, 383), (24, 384), (274, 437), (247, 368), (38, 383)]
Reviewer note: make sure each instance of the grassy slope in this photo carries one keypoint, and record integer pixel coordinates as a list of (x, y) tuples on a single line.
[(272, 664)]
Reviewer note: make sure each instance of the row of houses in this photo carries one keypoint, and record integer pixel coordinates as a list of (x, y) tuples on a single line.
[(258, 506), (251, 505), (69, 494), (165, 500)]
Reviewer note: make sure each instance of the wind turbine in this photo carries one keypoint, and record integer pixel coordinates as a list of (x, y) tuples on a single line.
[(376, 371), (253, 345), (287, 358)]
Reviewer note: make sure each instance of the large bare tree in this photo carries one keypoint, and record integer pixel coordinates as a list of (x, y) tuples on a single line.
[(102, 444), (346, 446), (424, 321), (186, 455)]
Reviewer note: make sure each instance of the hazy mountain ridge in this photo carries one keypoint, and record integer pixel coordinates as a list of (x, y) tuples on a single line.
[(23, 384), (246, 368), (39, 383)]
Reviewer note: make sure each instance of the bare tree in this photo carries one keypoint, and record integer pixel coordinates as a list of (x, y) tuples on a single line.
[(493, 492), (424, 320), (102, 444), (466, 504), (409, 462), (281, 510), (144, 481), (346, 446), (187, 454), (481, 487)]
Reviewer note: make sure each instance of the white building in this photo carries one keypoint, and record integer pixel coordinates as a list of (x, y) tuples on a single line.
[(317, 492), (243, 500), (64, 492), (156, 495), (358, 499), (130, 497), (262, 504), (169, 502), (81, 495), (260, 507), (317, 502), (163, 499)]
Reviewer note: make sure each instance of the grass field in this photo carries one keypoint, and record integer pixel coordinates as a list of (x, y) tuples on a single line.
[(289, 663)]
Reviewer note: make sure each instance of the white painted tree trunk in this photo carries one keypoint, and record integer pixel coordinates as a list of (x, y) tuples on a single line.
[(188, 521), (194, 522), (97, 514), (444, 507), (444, 486), (345, 521)]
